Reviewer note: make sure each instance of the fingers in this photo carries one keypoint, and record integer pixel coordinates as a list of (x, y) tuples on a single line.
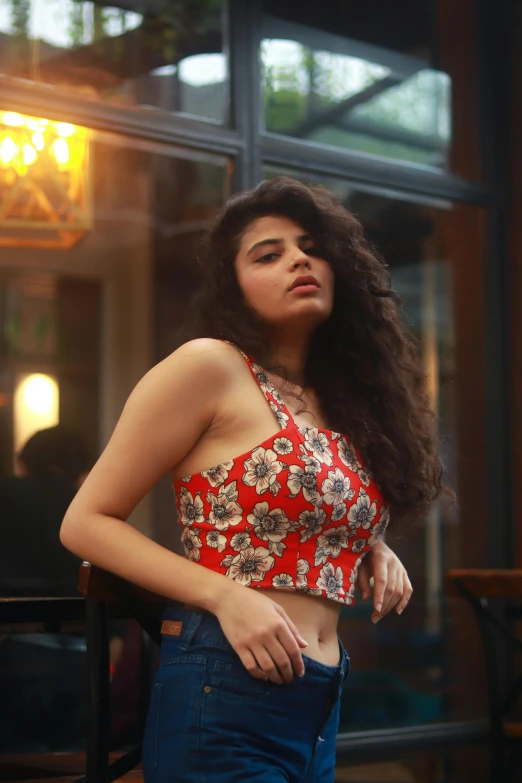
[(286, 652), (262, 664), (280, 657), (275, 654), (380, 580), (267, 663), (286, 659), (396, 590), (295, 631), (290, 641), (251, 664), (388, 594), (394, 593), (406, 595)]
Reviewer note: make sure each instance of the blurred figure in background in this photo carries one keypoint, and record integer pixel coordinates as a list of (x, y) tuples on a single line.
[(52, 465), (43, 676)]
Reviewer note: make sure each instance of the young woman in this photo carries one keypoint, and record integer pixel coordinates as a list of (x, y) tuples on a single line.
[(290, 501)]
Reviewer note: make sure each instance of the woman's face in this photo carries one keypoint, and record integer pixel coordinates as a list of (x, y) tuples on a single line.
[(274, 252)]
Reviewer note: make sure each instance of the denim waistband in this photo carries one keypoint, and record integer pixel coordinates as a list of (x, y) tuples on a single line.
[(203, 626)]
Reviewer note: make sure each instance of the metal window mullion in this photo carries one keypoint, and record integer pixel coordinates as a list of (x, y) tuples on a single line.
[(497, 143), (245, 87), (319, 159)]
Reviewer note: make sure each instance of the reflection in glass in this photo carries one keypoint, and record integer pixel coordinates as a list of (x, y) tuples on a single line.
[(171, 56), (405, 672), (44, 182), (419, 667), (95, 317), (342, 92), (436, 765)]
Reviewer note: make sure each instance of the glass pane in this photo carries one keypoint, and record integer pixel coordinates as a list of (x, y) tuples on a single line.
[(439, 765), (361, 81), (426, 665), (167, 55), (80, 293)]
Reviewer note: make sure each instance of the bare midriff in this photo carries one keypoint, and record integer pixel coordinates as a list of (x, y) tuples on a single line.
[(315, 618), (247, 417)]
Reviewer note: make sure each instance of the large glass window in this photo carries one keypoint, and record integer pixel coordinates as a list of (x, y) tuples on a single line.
[(365, 77), (412, 669), (79, 326), (340, 92), (77, 204), (166, 55)]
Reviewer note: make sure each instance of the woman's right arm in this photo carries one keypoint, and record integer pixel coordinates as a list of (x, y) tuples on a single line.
[(165, 415)]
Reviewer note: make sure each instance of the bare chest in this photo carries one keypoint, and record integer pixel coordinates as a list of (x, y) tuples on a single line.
[(242, 422)]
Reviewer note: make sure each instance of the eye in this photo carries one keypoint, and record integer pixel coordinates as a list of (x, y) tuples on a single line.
[(313, 251), (265, 258)]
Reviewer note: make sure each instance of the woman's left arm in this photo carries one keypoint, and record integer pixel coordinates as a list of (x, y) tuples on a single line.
[(391, 585)]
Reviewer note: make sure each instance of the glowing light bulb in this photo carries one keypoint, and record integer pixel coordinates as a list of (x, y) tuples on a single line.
[(39, 394), (8, 150), (29, 154), (12, 118), (36, 405), (38, 140), (64, 129), (32, 124), (61, 150)]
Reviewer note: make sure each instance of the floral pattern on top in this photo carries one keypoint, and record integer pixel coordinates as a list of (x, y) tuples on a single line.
[(298, 512)]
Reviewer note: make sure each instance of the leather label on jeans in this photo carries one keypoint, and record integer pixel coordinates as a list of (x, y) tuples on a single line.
[(172, 627)]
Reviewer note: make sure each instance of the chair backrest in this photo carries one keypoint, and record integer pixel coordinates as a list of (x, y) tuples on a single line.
[(131, 601), (499, 637), (486, 583), (108, 594), (94, 582)]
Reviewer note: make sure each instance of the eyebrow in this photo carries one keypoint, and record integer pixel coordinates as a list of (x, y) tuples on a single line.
[(302, 238)]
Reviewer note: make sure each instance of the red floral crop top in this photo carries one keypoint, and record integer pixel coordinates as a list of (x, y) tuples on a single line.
[(298, 512)]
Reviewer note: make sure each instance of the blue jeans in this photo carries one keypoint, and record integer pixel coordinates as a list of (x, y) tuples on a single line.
[(211, 721)]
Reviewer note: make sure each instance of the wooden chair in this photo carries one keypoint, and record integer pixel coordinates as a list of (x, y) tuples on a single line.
[(40, 614), (498, 636), (109, 595), (104, 596)]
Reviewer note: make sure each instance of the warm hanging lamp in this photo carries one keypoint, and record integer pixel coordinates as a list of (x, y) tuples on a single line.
[(45, 198)]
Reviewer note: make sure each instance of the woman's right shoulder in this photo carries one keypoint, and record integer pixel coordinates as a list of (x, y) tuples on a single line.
[(204, 345), (204, 354), (199, 369)]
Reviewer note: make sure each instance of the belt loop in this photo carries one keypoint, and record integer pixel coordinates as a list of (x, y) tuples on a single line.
[(192, 624)]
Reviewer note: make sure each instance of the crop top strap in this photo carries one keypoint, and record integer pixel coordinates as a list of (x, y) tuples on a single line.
[(272, 396)]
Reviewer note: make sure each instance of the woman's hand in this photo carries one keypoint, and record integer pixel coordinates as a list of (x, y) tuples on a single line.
[(262, 634), (391, 585)]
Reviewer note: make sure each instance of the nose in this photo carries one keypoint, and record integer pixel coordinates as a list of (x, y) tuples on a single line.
[(300, 259)]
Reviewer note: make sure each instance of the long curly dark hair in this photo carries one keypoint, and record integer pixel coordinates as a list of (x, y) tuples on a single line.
[(363, 362)]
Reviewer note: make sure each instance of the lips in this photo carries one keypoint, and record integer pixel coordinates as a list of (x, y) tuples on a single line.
[(304, 280)]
